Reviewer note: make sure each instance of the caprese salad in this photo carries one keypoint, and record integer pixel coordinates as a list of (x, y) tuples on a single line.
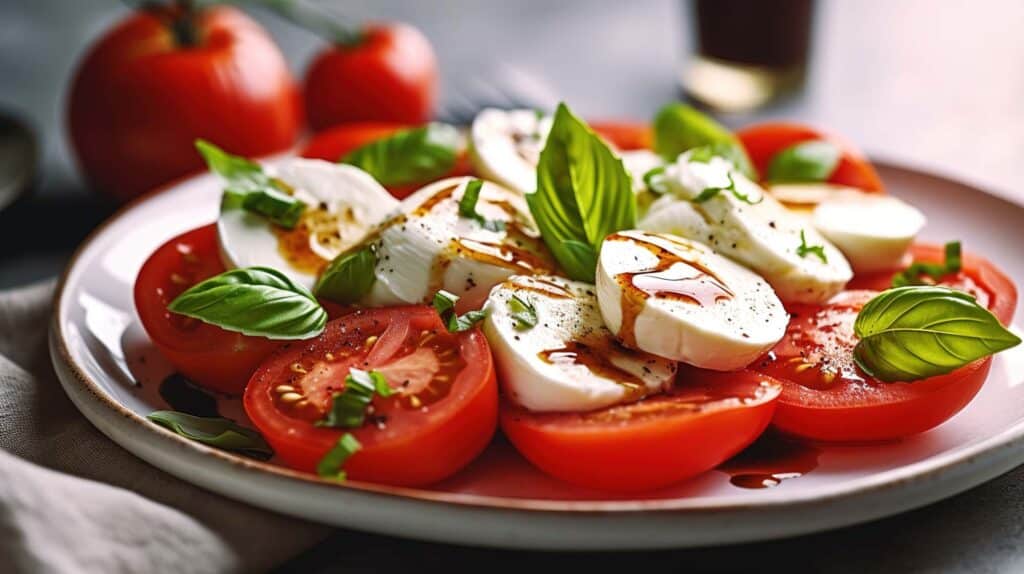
[(631, 304)]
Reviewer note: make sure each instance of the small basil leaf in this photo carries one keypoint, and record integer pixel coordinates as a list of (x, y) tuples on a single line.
[(678, 128), (803, 250), (348, 408), (217, 432), (256, 301), (916, 332), (654, 180), (804, 162), (348, 277), (444, 304), (248, 187), (467, 206), (913, 275), (408, 156), (523, 312), (330, 466), (583, 194), (710, 192)]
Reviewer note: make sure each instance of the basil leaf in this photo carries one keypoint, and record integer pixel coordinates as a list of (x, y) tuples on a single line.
[(413, 155), (348, 408), (217, 432), (804, 162), (523, 313), (913, 275), (710, 192), (256, 301), (467, 206), (250, 188), (348, 277), (654, 180), (330, 466), (678, 128), (916, 332), (583, 195), (444, 304), (803, 250)]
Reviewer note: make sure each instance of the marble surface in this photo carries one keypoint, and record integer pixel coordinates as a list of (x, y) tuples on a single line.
[(937, 84)]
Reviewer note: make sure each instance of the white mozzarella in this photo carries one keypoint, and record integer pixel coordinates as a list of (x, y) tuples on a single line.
[(874, 231), (676, 298), (429, 246), (343, 204), (569, 361), (639, 162), (764, 236), (506, 145)]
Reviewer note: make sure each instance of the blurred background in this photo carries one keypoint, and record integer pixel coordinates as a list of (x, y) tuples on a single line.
[(936, 84)]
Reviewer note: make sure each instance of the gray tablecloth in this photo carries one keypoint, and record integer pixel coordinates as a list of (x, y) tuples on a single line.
[(73, 501)]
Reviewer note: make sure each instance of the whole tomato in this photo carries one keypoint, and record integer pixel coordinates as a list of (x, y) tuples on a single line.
[(167, 75), (388, 74)]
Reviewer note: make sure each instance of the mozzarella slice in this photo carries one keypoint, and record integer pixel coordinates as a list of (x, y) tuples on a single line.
[(429, 246), (874, 231), (637, 163), (676, 298), (343, 203), (764, 236), (568, 361), (506, 145)]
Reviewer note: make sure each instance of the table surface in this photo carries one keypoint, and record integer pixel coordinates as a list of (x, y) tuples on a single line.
[(935, 84)]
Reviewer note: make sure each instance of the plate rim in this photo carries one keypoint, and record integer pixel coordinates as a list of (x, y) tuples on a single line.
[(1009, 440)]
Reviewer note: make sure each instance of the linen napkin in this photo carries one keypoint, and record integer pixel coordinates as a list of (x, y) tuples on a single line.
[(71, 500)]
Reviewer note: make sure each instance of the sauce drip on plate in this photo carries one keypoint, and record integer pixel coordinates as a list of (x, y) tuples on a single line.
[(769, 461)]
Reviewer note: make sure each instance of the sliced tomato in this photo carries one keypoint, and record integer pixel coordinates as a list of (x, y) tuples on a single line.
[(706, 419), (443, 413), (827, 397), (337, 142), (764, 141), (625, 135), (208, 355)]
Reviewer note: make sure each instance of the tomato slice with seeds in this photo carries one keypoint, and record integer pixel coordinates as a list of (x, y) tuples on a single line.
[(827, 397), (441, 416), (208, 355), (704, 420)]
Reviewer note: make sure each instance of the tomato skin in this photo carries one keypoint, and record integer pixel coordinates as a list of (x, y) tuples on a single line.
[(417, 447), (335, 143), (850, 411), (214, 358), (625, 135), (763, 141), (138, 101), (389, 75), (624, 455)]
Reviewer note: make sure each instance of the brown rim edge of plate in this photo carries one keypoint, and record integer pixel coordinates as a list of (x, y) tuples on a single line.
[(478, 501)]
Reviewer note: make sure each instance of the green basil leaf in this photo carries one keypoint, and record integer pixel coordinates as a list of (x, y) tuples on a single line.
[(444, 304), (348, 408), (256, 301), (678, 128), (916, 332), (709, 192), (348, 277), (914, 274), (217, 432), (803, 250), (804, 162), (654, 180), (415, 155), (467, 206), (248, 187), (583, 195), (523, 312), (330, 466)]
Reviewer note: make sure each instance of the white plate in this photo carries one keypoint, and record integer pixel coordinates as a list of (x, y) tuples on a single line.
[(99, 350)]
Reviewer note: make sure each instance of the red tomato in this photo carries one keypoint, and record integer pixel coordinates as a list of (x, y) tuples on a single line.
[(388, 75), (443, 413), (763, 141), (827, 397), (625, 135), (706, 419), (335, 143), (140, 99), (212, 357)]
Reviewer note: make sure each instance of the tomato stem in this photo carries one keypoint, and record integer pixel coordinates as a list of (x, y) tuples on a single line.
[(325, 23), (183, 25)]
